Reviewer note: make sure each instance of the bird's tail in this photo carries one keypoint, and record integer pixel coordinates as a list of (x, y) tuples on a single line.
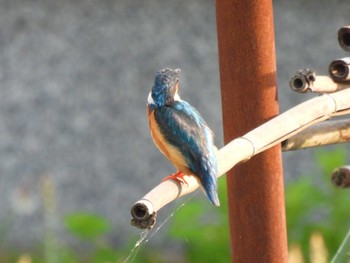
[(209, 184), (212, 195)]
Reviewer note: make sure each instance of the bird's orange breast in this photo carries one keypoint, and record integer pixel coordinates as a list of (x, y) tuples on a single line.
[(170, 151)]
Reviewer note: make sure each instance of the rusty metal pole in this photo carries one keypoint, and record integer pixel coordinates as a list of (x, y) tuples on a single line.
[(249, 98)]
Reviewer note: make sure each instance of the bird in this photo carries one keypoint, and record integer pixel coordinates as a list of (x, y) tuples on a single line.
[(181, 134)]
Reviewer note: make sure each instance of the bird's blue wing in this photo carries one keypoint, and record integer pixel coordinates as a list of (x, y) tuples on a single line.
[(183, 127)]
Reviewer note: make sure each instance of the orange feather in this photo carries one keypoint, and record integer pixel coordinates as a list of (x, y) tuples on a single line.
[(170, 151)]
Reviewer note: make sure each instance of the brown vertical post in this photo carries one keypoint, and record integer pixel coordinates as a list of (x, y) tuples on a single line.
[(249, 98)]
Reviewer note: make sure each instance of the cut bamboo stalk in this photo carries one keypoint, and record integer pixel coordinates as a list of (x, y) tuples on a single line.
[(339, 69), (241, 149), (341, 177), (325, 133), (305, 80), (344, 37)]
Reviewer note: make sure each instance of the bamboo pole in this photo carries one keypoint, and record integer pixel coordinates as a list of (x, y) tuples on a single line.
[(243, 148), (325, 133)]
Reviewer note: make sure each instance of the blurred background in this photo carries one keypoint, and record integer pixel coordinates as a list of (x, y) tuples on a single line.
[(75, 148)]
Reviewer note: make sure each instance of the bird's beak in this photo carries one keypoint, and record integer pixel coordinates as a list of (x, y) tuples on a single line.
[(176, 86)]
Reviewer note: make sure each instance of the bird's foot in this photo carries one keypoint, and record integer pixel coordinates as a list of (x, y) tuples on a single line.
[(178, 176)]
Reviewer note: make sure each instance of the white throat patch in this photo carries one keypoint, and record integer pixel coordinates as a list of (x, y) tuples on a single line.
[(150, 100), (177, 97)]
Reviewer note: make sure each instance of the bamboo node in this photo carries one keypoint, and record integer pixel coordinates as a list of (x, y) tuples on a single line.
[(334, 102), (252, 145)]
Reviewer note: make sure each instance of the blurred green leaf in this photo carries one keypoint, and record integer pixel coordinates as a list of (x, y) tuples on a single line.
[(86, 225), (329, 160), (104, 255)]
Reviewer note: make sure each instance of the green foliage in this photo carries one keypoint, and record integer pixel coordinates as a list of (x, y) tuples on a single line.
[(87, 226), (105, 254), (313, 204), (92, 229), (206, 234)]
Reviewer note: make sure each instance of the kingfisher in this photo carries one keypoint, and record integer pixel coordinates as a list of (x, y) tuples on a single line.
[(181, 134)]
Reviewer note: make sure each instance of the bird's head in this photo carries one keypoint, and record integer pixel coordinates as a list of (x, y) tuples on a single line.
[(165, 88)]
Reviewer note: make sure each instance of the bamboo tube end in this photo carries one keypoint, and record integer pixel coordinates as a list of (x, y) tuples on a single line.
[(302, 81), (339, 69), (341, 177), (143, 214), (344, 38)]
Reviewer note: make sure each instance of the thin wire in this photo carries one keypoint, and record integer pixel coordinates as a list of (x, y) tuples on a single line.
[(134, 250), (341, 248)]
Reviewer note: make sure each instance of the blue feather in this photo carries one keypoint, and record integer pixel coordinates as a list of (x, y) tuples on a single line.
[(183, 127)]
